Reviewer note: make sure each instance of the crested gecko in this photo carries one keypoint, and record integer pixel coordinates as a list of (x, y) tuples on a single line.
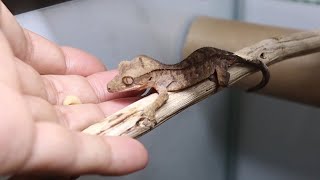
[(144, 72)]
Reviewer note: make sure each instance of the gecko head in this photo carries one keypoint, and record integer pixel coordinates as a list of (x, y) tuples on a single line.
[(133, 75)]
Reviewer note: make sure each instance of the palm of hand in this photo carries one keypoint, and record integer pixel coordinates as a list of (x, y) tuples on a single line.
[(39, 134)]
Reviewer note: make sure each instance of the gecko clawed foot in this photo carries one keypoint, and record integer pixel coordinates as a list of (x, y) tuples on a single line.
[(213, 78), (148, 118)]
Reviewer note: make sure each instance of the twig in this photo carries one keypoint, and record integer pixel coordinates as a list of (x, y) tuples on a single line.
[(270, 51)]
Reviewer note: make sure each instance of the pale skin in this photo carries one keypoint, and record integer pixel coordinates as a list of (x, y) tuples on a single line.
[(39, 135)]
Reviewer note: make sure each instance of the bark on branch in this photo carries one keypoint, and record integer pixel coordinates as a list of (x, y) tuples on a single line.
[(126, 121)]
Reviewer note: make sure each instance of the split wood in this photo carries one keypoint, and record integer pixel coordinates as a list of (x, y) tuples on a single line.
[(126, 121)]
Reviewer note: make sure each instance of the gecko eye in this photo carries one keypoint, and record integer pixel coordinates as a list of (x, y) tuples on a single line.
[(127, 80)]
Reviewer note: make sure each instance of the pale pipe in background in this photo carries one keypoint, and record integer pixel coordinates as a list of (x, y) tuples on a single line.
[(229, 35)]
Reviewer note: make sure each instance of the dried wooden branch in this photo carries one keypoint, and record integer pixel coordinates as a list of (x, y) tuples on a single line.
[(127, 121)]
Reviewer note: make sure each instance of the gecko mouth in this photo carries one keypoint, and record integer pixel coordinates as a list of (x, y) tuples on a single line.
[(125, 89)]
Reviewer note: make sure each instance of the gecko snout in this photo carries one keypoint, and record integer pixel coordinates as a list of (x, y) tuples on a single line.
[(109, 89)]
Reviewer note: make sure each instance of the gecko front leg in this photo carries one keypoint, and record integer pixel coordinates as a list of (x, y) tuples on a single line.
[(150, 111)]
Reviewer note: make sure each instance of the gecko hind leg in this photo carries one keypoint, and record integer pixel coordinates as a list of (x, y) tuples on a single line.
[(213, 78), (223, 77), (220, 77)]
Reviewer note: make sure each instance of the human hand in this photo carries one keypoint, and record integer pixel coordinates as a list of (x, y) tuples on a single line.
[(38, 135)]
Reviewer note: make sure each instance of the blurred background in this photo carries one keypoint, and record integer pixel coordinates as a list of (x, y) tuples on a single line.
[(229, 136)]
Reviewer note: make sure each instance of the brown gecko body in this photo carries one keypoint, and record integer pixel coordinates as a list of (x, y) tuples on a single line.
[(204, 63)]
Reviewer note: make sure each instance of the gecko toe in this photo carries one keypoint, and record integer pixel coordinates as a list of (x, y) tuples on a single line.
[(148, 119)]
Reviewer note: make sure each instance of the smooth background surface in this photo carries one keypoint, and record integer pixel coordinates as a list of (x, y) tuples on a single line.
[(281, 143)]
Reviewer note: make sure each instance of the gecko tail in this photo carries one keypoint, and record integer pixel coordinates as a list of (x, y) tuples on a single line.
[(264, 70)]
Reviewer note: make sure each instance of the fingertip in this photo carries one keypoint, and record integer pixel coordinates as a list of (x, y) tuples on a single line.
[(81, 63), (128, 155)]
